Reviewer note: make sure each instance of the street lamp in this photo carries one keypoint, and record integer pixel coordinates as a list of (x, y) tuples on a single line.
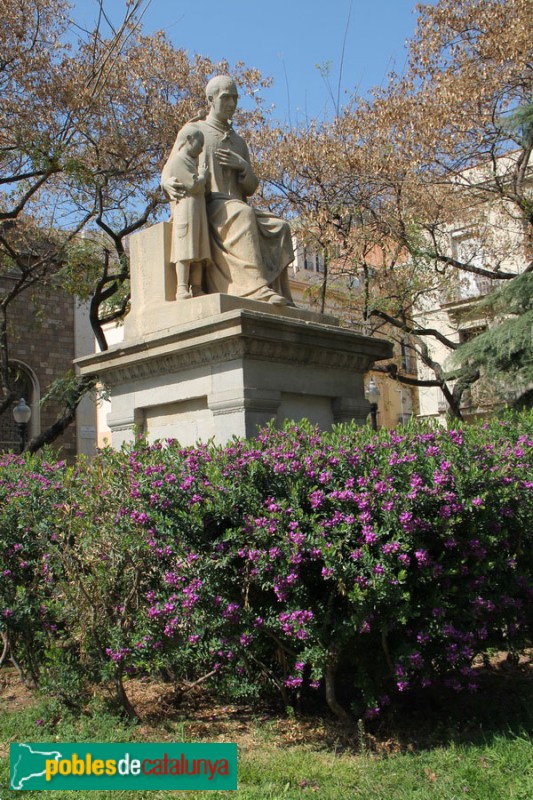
[(372, 394), (22, 415)]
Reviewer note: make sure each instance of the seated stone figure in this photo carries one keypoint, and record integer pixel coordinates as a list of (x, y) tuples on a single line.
[(250, 249)]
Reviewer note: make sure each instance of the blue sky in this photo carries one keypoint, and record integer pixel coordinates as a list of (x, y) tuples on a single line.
[(287, 39)]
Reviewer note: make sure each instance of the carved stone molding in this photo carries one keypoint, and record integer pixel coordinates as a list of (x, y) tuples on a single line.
[(126, 420), (246, 399), (346, 409), (234, 336)]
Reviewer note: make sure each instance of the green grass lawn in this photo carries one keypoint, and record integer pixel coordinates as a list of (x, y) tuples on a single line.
[(478, 747)]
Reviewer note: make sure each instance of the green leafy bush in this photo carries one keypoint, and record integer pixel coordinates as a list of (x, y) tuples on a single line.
[(30, 617), (349, 563)]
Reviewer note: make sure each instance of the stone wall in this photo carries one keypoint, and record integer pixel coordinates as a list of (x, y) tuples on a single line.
[(41, 337)]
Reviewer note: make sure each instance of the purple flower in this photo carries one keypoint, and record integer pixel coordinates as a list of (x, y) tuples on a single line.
[(416, 659), (292, 682), (406, 518), (456, 437), (297, 537), (422, 557), (369, 535), (117, 655), (316, 499), (232, 612), (390, 547), (140, 516)]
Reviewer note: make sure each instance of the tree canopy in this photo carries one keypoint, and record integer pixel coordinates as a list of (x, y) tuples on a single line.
[(86, 121), (425, 188)]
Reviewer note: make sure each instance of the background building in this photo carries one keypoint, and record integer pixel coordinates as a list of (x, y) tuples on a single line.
[(49, 329), (396, 402)]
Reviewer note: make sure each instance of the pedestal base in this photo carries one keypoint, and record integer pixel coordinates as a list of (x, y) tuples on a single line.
[(228, 372)]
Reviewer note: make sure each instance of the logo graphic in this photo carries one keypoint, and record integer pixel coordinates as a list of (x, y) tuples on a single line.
[(123, 766), (33, 759)]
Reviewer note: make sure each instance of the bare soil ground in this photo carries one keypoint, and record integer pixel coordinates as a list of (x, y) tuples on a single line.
[(14, 694), (502, 684)]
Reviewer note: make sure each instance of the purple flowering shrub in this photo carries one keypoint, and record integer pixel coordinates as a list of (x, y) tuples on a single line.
[(350, 564), (382, 562), (31, 489), (127, 571)]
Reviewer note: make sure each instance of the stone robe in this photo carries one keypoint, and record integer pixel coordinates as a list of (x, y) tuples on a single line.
[(190, 231)]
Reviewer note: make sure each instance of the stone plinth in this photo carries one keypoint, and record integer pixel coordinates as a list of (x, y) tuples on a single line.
[(217, 366)]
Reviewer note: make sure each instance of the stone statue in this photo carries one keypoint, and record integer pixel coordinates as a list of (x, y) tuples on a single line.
[(250, 249), (190, 233)]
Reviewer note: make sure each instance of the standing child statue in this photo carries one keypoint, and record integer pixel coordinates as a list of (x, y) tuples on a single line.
[(190, 233)]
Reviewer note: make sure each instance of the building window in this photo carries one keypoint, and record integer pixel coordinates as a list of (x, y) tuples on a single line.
[(313, 260), (467, 334), (407, 360), (406, 406), (467, 248)]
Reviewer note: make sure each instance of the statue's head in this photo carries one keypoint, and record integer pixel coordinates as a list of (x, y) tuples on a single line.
[(192, 138), (222, 96)]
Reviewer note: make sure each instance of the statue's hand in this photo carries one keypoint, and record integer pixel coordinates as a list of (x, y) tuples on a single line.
[(229, 159), (174, 189)]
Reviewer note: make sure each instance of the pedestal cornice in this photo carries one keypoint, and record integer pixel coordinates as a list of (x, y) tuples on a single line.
[(233, 335)]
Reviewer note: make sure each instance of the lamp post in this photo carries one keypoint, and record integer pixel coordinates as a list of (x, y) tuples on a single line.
[(372, 394), (22, 415)]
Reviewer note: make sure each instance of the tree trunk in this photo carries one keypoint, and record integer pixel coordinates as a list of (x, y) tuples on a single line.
[(331, 698)]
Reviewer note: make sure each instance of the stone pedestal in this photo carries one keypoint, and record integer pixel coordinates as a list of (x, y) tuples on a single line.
[(217, 366), (229, 372)]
